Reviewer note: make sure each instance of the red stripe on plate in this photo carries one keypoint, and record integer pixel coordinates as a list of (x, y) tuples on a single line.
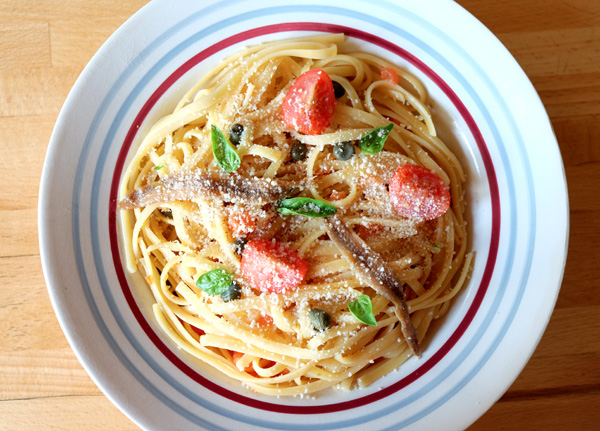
[(494, 240)]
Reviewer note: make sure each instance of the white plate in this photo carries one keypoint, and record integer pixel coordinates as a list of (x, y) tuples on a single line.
[(490, 113)]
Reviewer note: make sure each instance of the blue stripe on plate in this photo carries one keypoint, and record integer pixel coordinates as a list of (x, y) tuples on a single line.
[(147, 53)]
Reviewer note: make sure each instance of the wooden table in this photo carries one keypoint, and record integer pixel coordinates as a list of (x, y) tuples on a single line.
[(44, 45)]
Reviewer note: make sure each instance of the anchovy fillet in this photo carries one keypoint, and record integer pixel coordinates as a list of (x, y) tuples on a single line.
[(375, 272), (189, 185)]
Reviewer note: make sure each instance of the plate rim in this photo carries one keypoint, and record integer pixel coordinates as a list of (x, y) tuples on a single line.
[(48, 271)]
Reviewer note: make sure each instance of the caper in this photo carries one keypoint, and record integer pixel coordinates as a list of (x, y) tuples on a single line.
[(235, 134), (343, 150), (234, 292), (298, 151), (168, 213), (238, 245), (321, 320), (338, 89)]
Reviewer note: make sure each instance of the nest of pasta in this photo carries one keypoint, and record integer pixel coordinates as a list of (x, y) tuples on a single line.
[(284, 253)]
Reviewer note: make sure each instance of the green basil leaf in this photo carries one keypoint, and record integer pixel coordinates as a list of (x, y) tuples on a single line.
[(225, 155), (305, 207), (215, 282), (159, 167), (363, 310), (373, 141)]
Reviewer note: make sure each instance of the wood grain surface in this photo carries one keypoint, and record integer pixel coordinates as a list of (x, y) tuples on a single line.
[(44, 46)]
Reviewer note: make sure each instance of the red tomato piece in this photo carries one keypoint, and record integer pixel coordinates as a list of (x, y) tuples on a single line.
[(264, 321), (271, 266), (389, 74), (241, 222), (197, 330), (337, 195), (417, 192), (236, 356), (309, 103)]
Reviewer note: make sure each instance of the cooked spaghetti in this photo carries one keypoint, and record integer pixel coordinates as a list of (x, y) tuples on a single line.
[(297, 219)]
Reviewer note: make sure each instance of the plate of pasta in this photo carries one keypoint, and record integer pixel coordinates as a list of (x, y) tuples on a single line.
[(308, 215)]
